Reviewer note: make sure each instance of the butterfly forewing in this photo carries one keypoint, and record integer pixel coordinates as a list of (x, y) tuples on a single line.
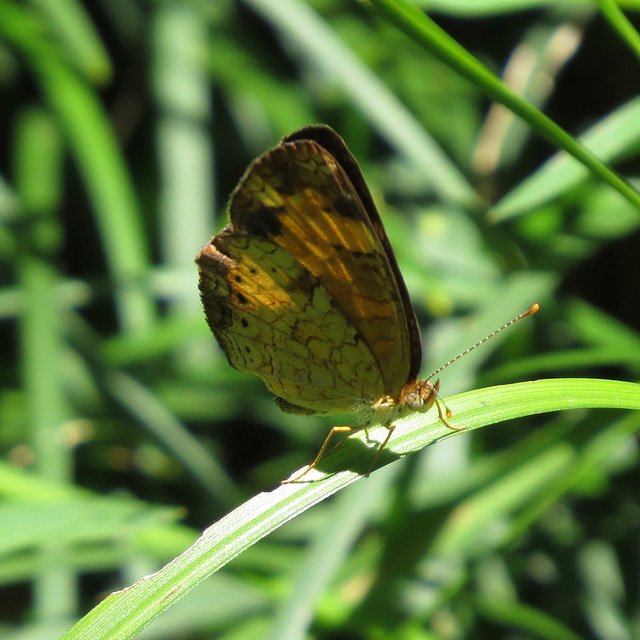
[(329, 140), (299, 197), (303, 289)]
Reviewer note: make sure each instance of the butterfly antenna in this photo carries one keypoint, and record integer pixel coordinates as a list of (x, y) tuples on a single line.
[(529, 312)]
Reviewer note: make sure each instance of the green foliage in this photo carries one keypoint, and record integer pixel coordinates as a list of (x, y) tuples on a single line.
[(123, 431)]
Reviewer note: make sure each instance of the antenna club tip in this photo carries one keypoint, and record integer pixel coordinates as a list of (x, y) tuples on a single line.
[(531, 310)]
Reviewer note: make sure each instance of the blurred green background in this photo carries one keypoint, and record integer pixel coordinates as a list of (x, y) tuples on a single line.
[(124, 432)]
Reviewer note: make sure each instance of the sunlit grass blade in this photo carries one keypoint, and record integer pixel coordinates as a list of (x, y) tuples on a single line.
[(125, 613)]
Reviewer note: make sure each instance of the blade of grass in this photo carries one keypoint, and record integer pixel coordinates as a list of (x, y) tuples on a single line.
[(95, 148), (471, 529), (532, 70), (125, 613), (613, 137), (484, 8), (413, 22), (38, 152), (186, 197), (72, 25), (591, 460), (627, 32), (148, 409), (524, 618)]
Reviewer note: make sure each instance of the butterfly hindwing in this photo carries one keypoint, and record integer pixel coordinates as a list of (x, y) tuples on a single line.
[(273, 319)]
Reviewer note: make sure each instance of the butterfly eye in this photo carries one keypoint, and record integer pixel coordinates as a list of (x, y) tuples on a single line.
[(414, 401)]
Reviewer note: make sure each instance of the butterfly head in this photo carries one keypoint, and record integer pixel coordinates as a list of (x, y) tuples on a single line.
[(416, 395), (419, 395)]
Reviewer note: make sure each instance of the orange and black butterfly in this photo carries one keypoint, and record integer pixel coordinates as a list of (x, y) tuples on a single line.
[(303, 289)]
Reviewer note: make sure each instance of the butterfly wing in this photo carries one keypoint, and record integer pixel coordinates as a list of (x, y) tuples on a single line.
[(274, 319), (335, 145), (312, 213)]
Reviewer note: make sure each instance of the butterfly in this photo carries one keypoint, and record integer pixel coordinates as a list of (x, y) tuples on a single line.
[(303, 290)]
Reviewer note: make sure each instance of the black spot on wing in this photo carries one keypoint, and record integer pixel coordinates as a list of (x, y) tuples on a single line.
[(345, 206), (338, 248), (263, 222)]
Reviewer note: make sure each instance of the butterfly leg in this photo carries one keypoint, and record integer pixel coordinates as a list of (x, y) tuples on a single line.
[(390, 430), (447, 412), (323, 448)]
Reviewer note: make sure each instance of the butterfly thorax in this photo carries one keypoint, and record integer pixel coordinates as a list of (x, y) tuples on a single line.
[(415, 396)]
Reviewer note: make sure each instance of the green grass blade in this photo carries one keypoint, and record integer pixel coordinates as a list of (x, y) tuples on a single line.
[(425, 32), (627, 32), (73, 26), (614, 137), (95, 148), (125, 613), (523, 618)]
